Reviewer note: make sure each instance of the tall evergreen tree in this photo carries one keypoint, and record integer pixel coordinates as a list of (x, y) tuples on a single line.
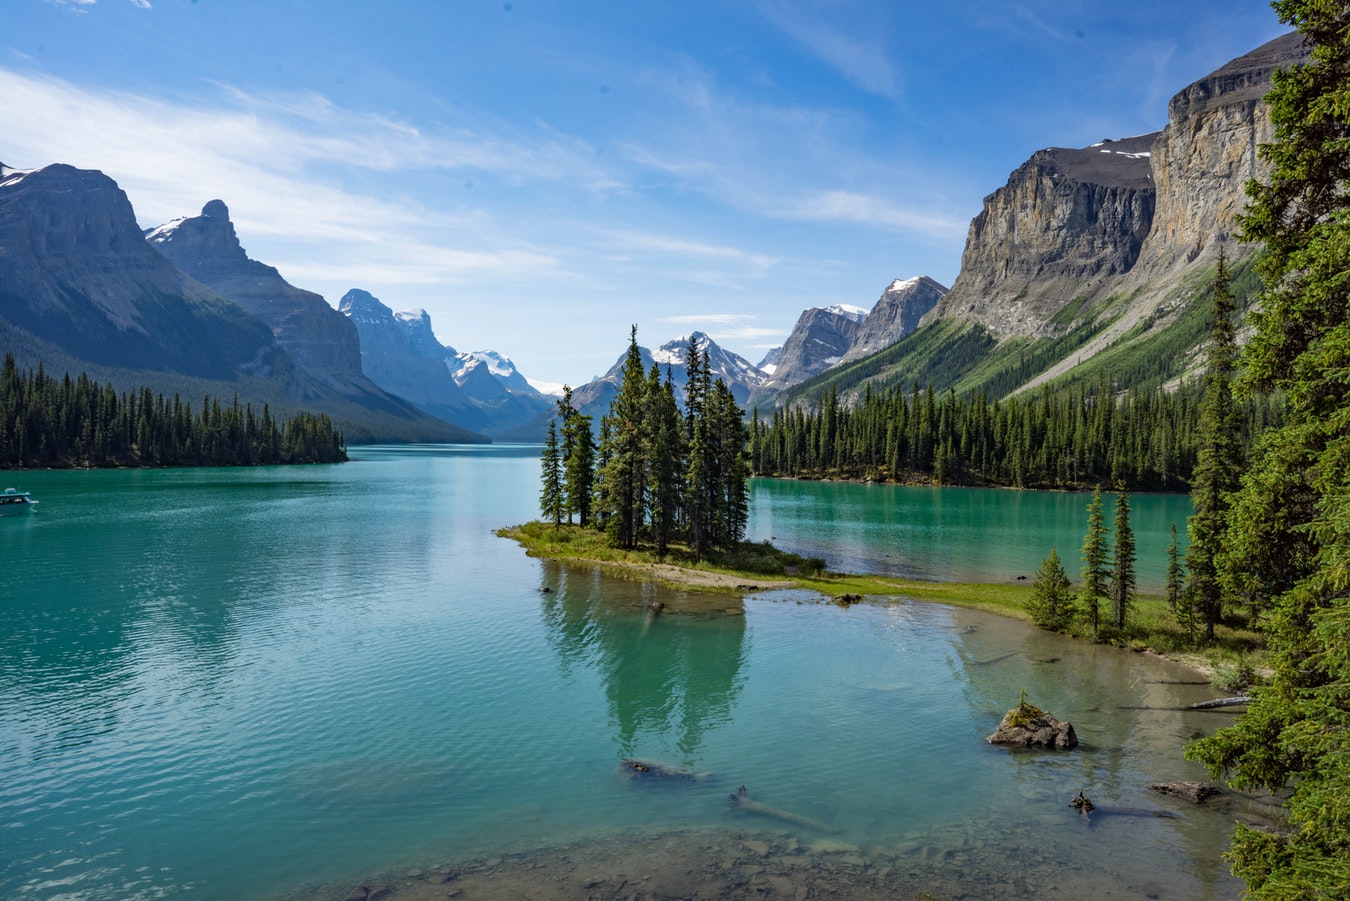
[(625, 473), (550, 474), (1293, 508), (1093, 590), (578, 459), (1218, 458), (666, 430), (1122, 569)]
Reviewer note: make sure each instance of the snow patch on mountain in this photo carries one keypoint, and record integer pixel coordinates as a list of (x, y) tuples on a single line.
[(847, 310)]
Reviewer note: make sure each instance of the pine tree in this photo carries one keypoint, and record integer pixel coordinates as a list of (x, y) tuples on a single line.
[(1122, 570), (1293, 508), (550, 465), (666, 428), (1178, 602), (1051, 601), (578, 459), (1093, 590), (625, 473), (1218, 458)]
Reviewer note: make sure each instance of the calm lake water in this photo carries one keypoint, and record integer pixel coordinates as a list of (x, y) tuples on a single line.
[(274, 682)]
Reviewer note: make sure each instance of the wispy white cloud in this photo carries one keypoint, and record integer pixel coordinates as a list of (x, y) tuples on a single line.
[(141, 4), (278, 162), (847, 206), (857, 52), (74, 5)]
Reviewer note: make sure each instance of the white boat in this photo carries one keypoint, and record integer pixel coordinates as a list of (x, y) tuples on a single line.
[(13, 502)]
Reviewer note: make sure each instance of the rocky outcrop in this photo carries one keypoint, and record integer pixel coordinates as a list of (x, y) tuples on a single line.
[(1027, 726), (75, 272), (1205, 156), (1127, 218), (895, 314), (819, 340), (319, 337), (1065, 222)]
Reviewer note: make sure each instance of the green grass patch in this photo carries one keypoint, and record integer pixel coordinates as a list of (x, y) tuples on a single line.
[(1150, 626)]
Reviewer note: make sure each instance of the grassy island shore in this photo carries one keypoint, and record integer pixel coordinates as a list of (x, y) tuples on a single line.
[(754, 567)]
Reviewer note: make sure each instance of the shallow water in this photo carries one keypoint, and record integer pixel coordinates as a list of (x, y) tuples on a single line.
[(244, 682)]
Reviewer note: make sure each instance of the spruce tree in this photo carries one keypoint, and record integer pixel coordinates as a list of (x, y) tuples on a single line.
[(1093, 590), (1178, 602), (1051, 601), (1122, 569), (625, 473), (1218, 457), (1293, 507)]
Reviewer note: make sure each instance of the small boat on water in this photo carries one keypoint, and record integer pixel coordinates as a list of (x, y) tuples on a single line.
[(14, 501)]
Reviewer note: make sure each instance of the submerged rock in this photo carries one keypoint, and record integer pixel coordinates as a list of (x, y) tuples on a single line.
[(1195, 792)]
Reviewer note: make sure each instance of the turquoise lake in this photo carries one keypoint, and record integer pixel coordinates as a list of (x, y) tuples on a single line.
[(278, 682)]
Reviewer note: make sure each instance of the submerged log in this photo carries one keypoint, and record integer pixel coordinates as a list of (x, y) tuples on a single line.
[(1221, 702), (654, 770), (1091, 812), (1195, 792), (741, 798), (997, 659)]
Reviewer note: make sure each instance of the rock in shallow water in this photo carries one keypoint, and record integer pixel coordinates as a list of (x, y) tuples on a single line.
[(1040, 730)]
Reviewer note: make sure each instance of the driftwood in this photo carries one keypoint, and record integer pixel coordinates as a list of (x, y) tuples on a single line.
[(1221, 702), (741, 798)]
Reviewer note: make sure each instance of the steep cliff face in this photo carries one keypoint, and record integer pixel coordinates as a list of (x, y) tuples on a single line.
[(400, 353), (76, 272), (1127, 217), (1066, 221), (819, 340), (1207, 154), (896, 313), (206, 247)]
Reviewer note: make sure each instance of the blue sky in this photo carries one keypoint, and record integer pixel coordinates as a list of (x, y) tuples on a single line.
[(537, 174)]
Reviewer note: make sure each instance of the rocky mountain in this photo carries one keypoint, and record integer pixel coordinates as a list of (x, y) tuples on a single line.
[(78, 282), (82, 291), (895, 314), (494, 364), (1096, 261), (317, 336), (400, 353), (481, 390), (322, 340), (819, 340), (742, 377)]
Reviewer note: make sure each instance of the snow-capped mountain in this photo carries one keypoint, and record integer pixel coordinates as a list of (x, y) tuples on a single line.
[(499, 367), (895, 314), (739, 374), (819, 340), (482, 390)]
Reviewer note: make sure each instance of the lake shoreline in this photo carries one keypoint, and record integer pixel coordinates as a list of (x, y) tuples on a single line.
[(1005, 599)]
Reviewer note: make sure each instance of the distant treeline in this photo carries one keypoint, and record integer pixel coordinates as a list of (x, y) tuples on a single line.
[(46, 421), (1145, 439)]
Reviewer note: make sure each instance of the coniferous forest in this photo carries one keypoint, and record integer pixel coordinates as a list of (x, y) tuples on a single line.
[(657, 475), (51, 422), (1144, 439)]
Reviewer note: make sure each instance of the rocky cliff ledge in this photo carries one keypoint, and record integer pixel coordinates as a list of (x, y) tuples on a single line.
[(1120, 217)]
